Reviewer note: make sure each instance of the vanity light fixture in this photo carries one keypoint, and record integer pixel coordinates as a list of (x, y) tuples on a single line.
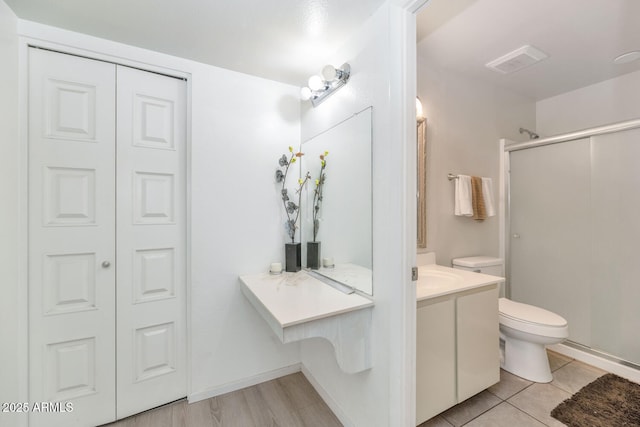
[(319, 88)]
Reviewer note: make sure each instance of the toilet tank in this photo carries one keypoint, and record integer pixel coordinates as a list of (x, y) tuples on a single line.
[(481, 264)]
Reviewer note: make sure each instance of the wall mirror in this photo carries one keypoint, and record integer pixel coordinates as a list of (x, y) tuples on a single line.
[(345, 212), (421, 122)]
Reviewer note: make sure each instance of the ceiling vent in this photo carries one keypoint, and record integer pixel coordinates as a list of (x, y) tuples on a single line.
[(517, 60)]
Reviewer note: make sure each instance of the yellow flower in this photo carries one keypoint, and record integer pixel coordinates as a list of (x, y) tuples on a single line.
[(290, 149), (300, 181), (317, 182), (326, 153), (293, 160), (322, 162)]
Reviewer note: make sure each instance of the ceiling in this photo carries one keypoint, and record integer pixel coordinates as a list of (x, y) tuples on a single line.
[(288, 40), (283, 40), (581, 38)]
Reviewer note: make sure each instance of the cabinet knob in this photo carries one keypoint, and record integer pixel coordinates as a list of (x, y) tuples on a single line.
[(106, 264)]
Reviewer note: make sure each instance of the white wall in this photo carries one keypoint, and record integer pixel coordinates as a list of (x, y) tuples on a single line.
[(465, 120), (11, 363), (373, 397), (610, 101), (240, 125)]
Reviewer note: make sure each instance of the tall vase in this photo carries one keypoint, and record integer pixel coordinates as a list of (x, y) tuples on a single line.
[(293, 257), (313, 255)]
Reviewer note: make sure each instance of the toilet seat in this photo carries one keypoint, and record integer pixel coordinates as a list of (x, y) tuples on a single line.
[(531, 319)]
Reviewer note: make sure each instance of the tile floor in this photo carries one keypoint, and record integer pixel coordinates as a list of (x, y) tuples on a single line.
[(518, 402)]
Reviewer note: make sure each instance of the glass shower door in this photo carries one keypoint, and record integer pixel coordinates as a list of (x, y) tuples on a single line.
[(575, 237), (615, 282), (550, 232)]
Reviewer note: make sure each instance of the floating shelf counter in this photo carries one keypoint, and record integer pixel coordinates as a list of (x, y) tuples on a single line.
[(297, 306)]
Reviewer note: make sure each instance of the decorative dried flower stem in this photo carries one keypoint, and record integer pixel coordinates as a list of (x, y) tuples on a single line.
[(317, 194), (290, 207)]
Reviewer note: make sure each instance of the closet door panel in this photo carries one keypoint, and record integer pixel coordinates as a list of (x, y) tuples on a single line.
[(71, 239), (151, 214)]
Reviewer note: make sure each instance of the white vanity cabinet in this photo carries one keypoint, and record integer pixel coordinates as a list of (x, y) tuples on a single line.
[(435, 357), (457, 348), (478, 341)]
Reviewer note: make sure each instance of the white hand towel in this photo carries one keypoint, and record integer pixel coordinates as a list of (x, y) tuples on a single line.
[(463, 205), (487, 193)]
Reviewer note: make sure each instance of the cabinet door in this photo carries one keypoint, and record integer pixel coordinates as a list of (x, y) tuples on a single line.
[(435, 359), (478, 341)]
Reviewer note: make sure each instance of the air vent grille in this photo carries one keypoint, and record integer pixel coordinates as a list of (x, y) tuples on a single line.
[(517, 60)]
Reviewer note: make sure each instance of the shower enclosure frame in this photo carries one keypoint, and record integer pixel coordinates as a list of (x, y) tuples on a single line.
[(575, 350)]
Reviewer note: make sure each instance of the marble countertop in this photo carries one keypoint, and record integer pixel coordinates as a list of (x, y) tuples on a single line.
[(352, 275), (298, 306), (436, 280), (294, 298)]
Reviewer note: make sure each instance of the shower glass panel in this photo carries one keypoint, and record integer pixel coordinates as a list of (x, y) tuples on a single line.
[(615, 266), (574, 234), (549, 245)]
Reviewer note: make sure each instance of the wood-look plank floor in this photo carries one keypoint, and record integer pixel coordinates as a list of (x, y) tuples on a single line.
[(289, 401)]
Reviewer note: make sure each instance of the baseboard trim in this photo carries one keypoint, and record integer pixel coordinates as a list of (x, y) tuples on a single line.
[(328, 399), (245, 382), (597, 361)]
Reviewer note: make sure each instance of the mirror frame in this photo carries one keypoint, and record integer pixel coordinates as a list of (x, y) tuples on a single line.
[(422, 182)]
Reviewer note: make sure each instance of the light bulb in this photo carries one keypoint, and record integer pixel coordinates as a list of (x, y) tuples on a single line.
[(419, 112), (329, 72), (305, 93), (315, 83)]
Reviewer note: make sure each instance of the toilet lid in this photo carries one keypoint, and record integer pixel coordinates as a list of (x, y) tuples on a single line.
[(528, 313)]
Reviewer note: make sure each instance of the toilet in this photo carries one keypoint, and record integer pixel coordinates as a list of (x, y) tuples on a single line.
[(525, 330)]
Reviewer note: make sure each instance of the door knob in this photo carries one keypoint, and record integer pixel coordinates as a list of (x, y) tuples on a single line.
[(106, 264)]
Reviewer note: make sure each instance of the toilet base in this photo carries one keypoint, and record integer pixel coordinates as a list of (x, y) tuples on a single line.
[(526, 359)]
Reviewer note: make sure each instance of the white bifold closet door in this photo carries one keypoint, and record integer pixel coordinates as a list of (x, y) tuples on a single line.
[(72, 231), (150, 250), (106, 240)]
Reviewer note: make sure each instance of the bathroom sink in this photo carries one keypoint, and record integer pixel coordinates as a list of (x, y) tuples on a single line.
[(434, 279), (437, 280)]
